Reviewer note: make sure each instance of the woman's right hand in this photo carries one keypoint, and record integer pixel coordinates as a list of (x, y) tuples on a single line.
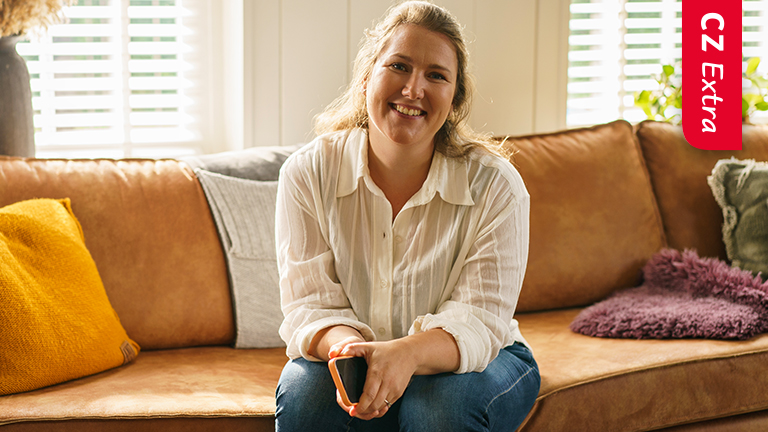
[(339, 346)]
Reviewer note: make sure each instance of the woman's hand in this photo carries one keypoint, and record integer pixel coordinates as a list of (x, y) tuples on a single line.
[(392, 364), (390, 368)]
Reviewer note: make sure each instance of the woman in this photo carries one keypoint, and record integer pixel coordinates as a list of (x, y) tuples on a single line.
[(403, 238)]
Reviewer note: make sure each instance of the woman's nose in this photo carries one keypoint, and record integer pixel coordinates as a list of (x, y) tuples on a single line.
[(414, 88)]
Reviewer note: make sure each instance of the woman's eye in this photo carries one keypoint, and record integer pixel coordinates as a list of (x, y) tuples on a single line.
[(398, 66), (437, 76)]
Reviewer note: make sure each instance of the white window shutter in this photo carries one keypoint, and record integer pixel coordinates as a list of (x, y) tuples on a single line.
[(595, 58), (115, 81), (616, 46)]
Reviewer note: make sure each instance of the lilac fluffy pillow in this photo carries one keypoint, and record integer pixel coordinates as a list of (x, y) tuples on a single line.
[(683, 296)]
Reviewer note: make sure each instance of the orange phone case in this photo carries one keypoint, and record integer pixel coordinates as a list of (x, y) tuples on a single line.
[(338, 381)]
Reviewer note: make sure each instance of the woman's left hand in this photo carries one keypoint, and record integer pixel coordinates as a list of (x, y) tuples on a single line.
[(390, 368)]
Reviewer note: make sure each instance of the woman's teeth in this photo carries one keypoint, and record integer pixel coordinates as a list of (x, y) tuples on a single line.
[(406, 111)]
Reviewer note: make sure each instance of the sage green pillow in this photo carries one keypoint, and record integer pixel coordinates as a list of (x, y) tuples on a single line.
[(740, 188)]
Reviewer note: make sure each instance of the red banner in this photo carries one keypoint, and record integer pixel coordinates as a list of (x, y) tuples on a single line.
[(712, 74)]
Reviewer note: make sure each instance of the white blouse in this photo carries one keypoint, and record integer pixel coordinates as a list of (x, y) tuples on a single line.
[(454, 257)]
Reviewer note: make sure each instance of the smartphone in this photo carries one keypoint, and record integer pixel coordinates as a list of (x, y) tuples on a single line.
[(349, 376)]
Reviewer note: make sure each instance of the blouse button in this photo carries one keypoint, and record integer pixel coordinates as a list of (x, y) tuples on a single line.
[(384, 283), (382, 331), (398, 239)]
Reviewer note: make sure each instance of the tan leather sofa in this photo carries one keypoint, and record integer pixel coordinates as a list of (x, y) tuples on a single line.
[(603, 200)]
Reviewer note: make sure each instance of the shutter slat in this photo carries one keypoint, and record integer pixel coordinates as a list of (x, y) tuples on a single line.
[(155, 12), (154, 48), (147, 66), (87, 120), (159, 83), (159, 118), (156, 30), (91, 12), (84, 30), (159, 101), (148, 135), (74, 66)]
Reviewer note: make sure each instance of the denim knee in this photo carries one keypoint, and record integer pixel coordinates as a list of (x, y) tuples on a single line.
[(306, 399), (499, 398)]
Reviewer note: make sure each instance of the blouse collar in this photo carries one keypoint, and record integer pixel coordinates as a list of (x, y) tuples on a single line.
[(447, 176)]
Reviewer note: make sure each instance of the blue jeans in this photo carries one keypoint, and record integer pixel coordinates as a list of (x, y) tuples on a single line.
[(497, 399)]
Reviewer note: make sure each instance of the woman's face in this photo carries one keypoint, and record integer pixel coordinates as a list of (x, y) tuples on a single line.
[(410, 90)]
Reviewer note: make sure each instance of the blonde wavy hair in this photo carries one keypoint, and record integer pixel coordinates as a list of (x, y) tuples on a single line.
[(455, 138)]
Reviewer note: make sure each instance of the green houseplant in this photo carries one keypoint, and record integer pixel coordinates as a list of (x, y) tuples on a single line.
[(669, 94), (754, 99), (666, 101)]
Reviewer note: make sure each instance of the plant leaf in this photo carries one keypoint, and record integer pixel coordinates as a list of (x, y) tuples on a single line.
[(642, 97), (752, 65), (762, 106), (760, 82), (648, 112), (751, 98)]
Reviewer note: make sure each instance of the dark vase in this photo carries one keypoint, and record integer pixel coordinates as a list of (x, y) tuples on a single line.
[(17, 133)]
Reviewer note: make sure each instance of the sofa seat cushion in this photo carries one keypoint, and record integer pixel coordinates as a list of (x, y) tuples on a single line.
[(166, 424), (193, 382), (600, 384)]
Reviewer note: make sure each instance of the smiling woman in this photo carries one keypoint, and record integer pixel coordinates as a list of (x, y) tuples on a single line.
[(402, 237), (455, 138), (410, 90), (409, 95)]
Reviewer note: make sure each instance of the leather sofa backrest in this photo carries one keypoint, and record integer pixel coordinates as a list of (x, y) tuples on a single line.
[(594, 219), (603, 200), (692, 218), (152, 236)]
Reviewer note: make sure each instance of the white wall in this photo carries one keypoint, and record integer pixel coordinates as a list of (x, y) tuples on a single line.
[(297, 57)]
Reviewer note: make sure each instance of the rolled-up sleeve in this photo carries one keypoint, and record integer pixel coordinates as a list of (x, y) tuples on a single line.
[(312, 298), (481, 306)]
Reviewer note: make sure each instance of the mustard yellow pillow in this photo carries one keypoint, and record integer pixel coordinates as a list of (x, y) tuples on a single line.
[(56, 322)]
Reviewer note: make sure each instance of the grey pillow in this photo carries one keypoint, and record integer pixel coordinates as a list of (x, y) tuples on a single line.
[(244, 211), (740, 187), (257, 163)]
